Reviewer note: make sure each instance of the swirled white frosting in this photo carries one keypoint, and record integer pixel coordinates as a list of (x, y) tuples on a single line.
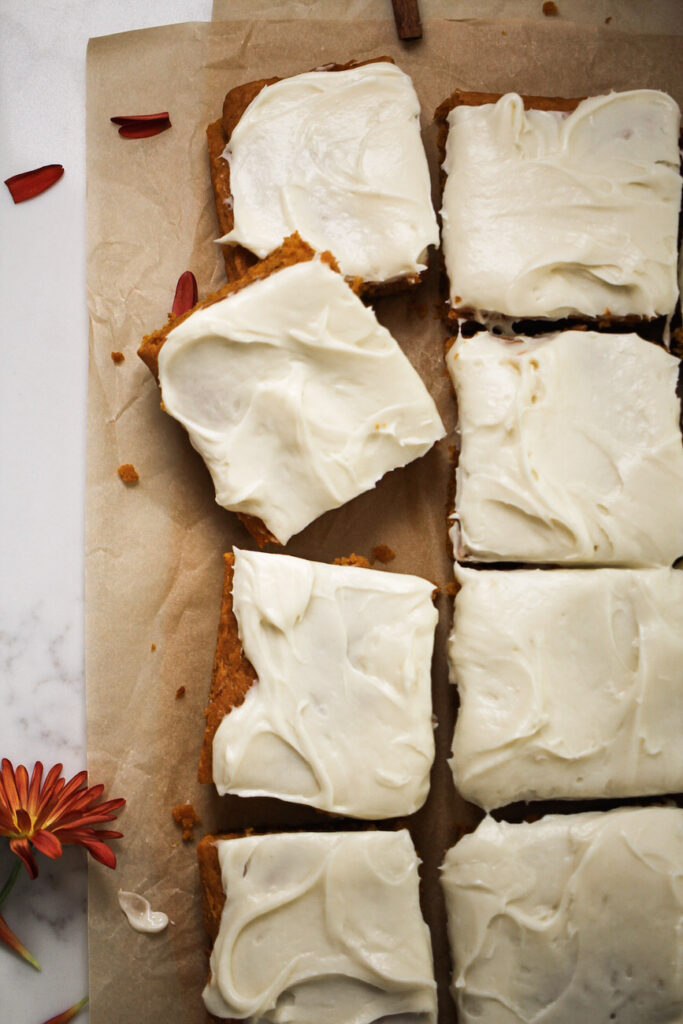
[(295, 396), (547, 214), (336, 156), (571, 450), (322, 927), (570, 683), (340, 716), (574, 918)]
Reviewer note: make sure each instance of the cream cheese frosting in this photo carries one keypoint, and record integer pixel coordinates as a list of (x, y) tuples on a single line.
[(340, 715), (295, 396), (570, 450), (336, 156), (322, 927), (572, 918), (570, 683), (548, 214), (139, 913)]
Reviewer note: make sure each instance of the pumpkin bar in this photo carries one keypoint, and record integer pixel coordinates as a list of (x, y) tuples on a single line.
[(571, 450), (570, 684), (291, 391), (336, 155), (576, 917), (321, 687), (317, 927), (561, 208)]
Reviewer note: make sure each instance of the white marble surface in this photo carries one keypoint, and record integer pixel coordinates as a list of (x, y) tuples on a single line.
[(42, 455)]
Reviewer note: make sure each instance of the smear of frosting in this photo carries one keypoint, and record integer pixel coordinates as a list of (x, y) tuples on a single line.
[(140, 915)]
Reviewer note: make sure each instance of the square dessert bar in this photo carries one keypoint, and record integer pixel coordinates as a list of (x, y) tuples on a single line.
[(291, 391), (316, 927), (570, 684), (336, 155), (321, 687), (557, 208), (574, 918), (571, 450)]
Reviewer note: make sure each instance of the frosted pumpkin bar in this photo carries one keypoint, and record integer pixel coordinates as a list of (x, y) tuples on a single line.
[(576, 917), (570, 684), (291, 391), (571, 450), (559, 208), (316, 927), (336, 155), (321, 688)]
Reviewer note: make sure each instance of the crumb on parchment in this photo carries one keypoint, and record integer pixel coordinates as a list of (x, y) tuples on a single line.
[(353, 559), (128, 473), (186, 816), (382, 553), (117, 357), (550, 9), (180, 692)]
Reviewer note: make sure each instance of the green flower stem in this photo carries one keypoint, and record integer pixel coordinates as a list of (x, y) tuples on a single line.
[(9, 884)]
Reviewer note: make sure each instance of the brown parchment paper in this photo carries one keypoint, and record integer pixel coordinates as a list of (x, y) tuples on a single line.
[(153, 560)]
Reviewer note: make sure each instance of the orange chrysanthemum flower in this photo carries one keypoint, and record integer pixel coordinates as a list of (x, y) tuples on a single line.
[(54, 814)]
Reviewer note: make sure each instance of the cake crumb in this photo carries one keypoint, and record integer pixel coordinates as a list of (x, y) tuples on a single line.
[(607, 20), (128, 473), (550, 9), (353, 559), (186, 816), (152, 647), (382, 553), (117, 357), (180, 692)]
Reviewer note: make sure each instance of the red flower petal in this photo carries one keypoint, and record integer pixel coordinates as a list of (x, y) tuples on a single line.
[(9, 784), (34, 790), (31, 183), (8, 936), (185, 294), (142, 126), (67, 1015), (101, 852), (47, 843), (23, 819), (139, 118), (22, 848)]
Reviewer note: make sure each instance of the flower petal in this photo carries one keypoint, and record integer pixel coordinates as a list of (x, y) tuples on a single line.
[(47, 843), (141, 126), (23, 819), (185, 294), (9, 785), (8, 936), (138, 118), (22, 848), (21, 779), (67, 1015), (33, 801), (29, 184), (102, 853)]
